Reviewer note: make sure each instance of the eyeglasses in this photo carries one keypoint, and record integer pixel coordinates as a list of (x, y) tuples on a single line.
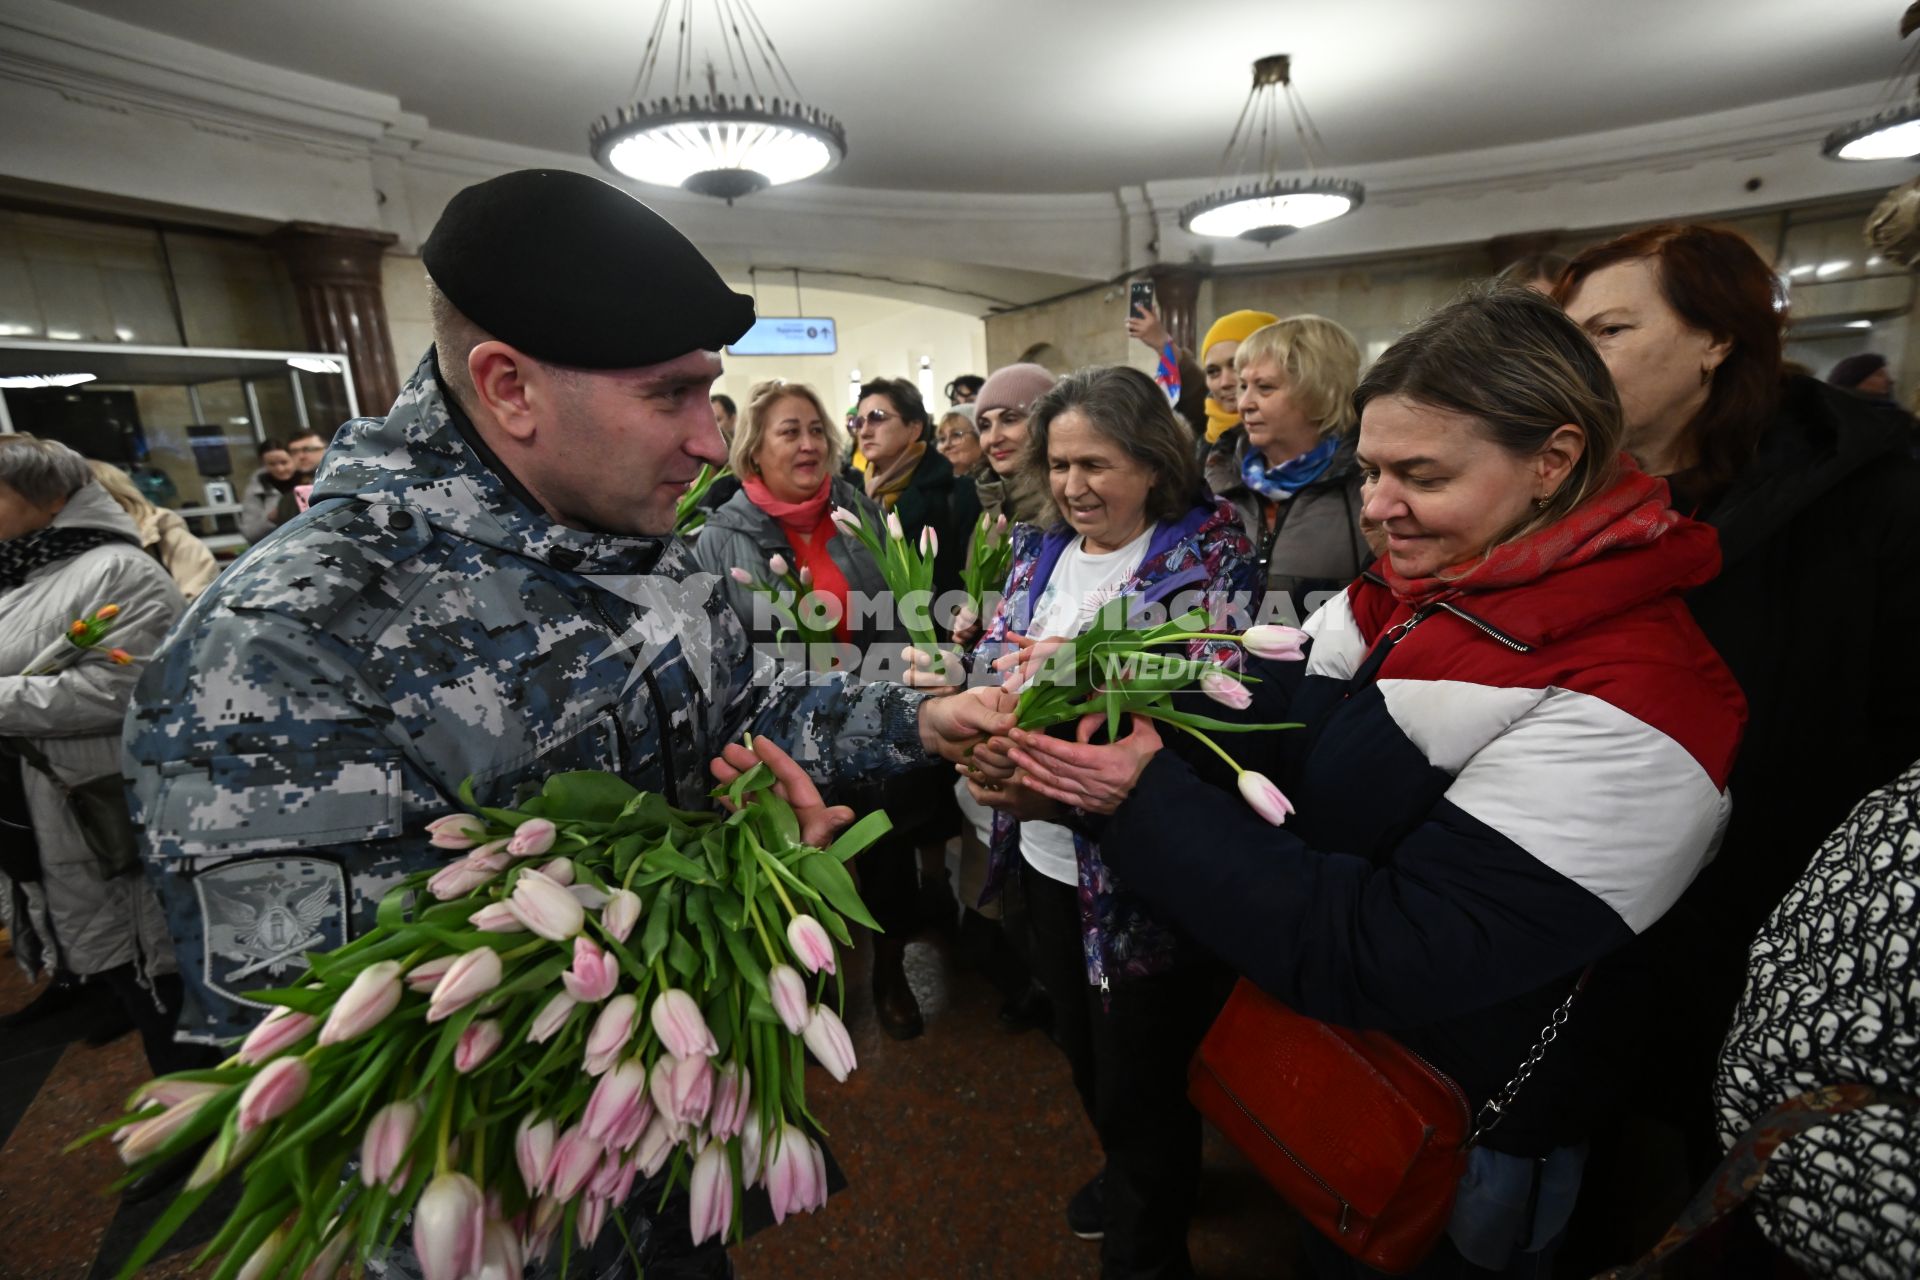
[(872, 417)]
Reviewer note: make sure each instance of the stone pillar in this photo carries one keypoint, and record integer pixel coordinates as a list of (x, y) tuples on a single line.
[(1176, 291), (336, 280)]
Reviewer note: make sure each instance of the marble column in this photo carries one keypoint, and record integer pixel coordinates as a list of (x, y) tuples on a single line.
[(336, 281)]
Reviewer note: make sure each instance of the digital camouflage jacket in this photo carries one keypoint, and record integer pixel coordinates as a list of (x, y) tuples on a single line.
[(424, 623)]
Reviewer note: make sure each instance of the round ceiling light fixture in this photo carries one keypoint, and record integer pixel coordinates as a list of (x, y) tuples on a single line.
[(1891, 135), (1267, 207), (724, 145)]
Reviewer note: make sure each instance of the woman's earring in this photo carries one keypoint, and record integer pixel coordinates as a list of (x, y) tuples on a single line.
[(1542, 503), (1706, 376)]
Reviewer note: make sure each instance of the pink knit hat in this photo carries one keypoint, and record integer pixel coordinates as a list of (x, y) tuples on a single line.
[(1015, 387)]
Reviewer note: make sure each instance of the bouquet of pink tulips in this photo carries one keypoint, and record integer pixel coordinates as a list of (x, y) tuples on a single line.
[(600, 987), (1113, 669), (908, 568), (800, 610)]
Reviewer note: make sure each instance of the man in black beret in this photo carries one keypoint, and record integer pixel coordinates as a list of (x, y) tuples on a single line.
[(487, 587)]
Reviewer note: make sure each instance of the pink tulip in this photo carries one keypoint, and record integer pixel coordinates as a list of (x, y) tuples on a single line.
[(473, 975), (790, 1173), (594, 972), (809, 940), (848, 521), (789, 994), (476, 1044), (575, 1157), (929, 542), (621, 913), (542, 1221), (326, 1263), (632, 1125), (1000, 525), (532, 838), (806, 576), (1267, 800), (496, 917), (587, 896), (750, 1145), (500, 1254), (656, 1144), (449, 1227), (560, 871), (385, 1142), (819, 1160), (827, 1036), (165, 1091), (546, 907), (677, 1021), (275, 1090), (588, 1222), (263, 1256), (426, 975), (682, 1090), (611, 1031), (492, 856), (777, 565), (533, 1152), (373, 994), (732, 1091), (740, 576), (619, 1094), (281, 1030), (894, 530), (553, 1015), (458, 879), (456, 831), (1284, 644), (1227, 691), (711, 1194), (138, 1141)]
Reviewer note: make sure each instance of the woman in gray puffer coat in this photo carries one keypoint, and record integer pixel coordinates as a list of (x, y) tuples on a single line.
[(1288, 468), (66, 550)]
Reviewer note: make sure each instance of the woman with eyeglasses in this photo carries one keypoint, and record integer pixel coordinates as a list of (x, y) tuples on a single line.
[(959, 442), (908, 478)]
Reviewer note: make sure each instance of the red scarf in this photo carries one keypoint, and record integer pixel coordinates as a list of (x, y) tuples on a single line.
[(808, 532), (1632, 513)]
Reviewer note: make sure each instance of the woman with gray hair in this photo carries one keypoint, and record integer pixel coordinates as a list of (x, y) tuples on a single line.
[(86, 915), (1131, 996)]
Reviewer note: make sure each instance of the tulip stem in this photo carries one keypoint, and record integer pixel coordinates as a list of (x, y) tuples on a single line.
[(773, 878), (440, 1162), (760, 927), (1210, 744)]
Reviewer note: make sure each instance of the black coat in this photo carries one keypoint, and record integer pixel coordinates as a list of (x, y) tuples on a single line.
[(1817, 612)]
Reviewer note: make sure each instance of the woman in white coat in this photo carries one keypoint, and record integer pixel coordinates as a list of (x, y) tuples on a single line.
[(66, 550)]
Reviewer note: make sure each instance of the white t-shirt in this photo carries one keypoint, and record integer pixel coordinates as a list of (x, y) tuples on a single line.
[(1081, 582)]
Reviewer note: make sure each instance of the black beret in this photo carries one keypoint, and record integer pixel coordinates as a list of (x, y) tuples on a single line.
[(575, 271)]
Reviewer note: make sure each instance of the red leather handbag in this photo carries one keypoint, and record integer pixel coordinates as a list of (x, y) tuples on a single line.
[(1363, 1137)]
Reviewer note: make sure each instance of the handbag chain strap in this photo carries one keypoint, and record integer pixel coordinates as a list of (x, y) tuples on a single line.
[(1497, 1106)]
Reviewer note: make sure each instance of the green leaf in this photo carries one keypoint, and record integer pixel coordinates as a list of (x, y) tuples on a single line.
[(744, 960), (781, 825), (861, 834), (700, 916), (832, 880), (665, 856), (653, 940), (587, 796), (682, 958)]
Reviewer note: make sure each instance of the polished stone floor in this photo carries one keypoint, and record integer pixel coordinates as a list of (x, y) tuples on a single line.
[(961, 1148)]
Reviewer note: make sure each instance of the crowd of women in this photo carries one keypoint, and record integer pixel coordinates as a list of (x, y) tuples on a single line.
[(1617, 629), (1616, 637)]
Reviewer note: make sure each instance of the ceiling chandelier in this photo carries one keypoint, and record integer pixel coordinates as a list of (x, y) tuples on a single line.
[(1255, 203), (1893, 134), (728, 144)]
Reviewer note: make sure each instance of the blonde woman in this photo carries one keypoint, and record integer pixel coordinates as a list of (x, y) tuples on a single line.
[(164, 534), (1288, 468)]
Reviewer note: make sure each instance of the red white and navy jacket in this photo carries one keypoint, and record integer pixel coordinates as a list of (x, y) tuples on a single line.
[(1493, 792)]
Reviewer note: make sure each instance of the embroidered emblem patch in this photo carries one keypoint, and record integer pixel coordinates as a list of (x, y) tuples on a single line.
[(261, 914)]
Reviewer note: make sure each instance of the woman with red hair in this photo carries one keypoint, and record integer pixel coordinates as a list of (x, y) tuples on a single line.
[(1817, 603)]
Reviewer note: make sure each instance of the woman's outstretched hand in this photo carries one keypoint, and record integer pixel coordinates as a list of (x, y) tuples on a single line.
[(1081, 775)]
